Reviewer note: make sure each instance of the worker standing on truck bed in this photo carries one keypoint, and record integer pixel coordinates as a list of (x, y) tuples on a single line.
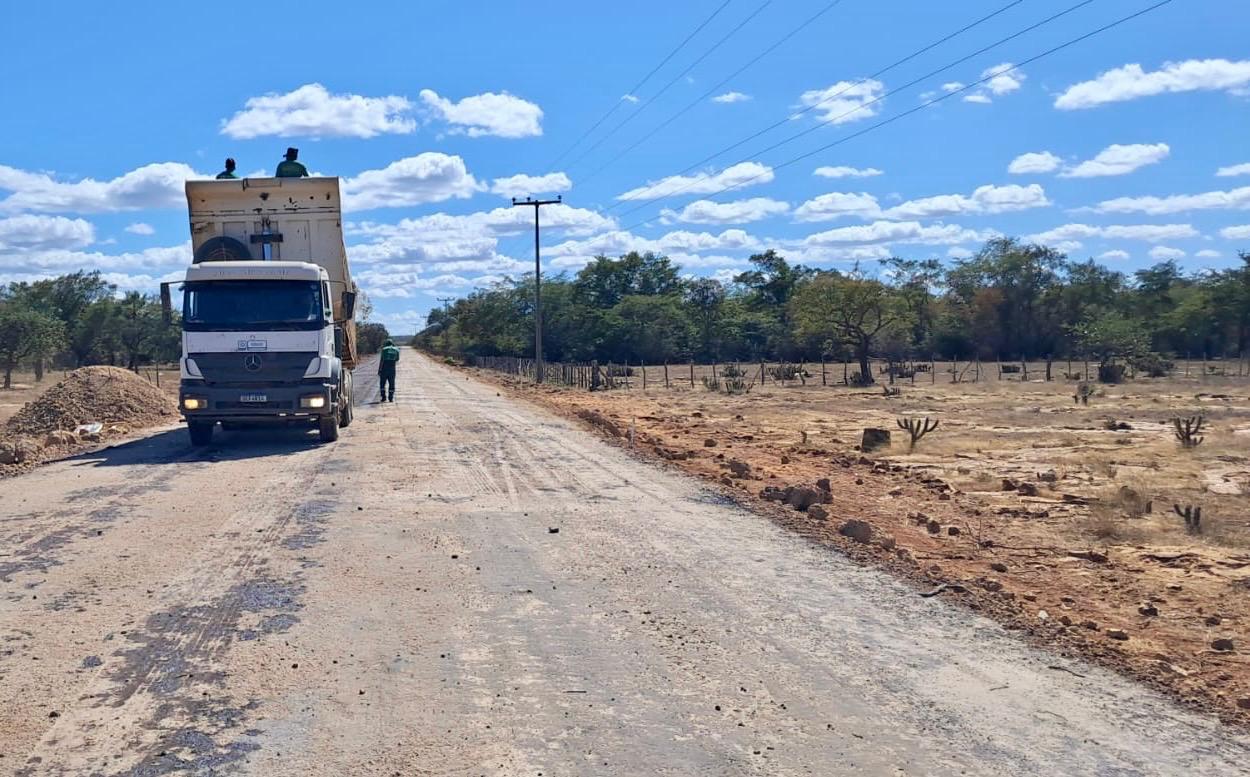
[(228, 172), (289, 168), (387, 361)]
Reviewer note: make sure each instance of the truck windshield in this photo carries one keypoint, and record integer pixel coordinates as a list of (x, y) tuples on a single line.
[(252, 304)]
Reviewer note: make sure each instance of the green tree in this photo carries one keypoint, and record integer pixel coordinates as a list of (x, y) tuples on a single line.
[(23, 333), (857, 312), (369, 337)]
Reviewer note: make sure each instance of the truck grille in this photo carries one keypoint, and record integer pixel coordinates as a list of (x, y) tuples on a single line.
[(256, 367)]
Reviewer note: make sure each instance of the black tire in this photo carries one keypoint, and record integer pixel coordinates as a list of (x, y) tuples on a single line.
[(201, 433), (328, 428), (222, 249), (345, 396)]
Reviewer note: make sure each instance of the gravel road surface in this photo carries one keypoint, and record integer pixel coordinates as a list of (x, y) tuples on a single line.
[(467, 585)]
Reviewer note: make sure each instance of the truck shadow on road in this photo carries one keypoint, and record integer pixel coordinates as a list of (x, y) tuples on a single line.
[(174, 447)]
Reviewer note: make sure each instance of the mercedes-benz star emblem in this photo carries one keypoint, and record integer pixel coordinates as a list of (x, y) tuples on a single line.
[(251, 362)]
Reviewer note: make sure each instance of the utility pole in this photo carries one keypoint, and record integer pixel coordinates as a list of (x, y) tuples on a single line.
[(538, 283), (446, 317)]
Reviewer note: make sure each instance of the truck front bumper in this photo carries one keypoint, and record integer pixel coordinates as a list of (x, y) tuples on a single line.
[(305, 401)]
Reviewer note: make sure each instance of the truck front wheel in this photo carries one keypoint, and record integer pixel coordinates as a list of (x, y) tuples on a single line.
[(201, 433), (328, 427)]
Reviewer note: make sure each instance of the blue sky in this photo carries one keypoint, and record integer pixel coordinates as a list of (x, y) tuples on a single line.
[(1130, 147)]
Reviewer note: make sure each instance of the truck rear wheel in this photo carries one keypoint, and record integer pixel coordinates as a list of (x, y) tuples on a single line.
[(345, 396), (328, 428), (201, 433)]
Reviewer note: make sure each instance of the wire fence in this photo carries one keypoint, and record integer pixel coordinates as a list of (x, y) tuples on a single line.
[(740, 376)]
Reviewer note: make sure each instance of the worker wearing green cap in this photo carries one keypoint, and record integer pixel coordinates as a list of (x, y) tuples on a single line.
[(289, 168), (387, 362)]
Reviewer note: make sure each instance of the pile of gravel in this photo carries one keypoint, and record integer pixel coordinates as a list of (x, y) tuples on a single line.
[(109, 396)]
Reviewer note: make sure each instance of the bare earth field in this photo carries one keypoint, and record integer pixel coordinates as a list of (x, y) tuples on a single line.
[(467, 584), (1055, 518)]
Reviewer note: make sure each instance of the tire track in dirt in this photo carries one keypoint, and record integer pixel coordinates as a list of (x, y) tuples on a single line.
[(163, 694)]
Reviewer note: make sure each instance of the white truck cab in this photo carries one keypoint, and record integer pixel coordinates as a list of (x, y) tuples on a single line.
[(268, 335)]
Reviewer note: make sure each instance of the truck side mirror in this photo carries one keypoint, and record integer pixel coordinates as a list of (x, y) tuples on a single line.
[(349, 304), (167, 307)]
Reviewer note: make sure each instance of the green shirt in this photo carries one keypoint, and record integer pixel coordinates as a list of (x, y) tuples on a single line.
[(289, 168), (388, 359), (226, 174)]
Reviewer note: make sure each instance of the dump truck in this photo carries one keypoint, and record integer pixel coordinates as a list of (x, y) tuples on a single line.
[(268, 334)]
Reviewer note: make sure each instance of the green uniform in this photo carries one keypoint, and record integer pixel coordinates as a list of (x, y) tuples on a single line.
[(387, 360), (289, 168), (224, 174)]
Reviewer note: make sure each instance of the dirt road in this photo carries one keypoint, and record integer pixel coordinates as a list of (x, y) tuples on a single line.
[(465, 585)]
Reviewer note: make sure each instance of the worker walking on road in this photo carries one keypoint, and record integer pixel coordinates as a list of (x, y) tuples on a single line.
[(228, 172), (289, 168), (387, 361)]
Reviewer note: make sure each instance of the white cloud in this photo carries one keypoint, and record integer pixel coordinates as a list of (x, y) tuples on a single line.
[(526, 185), (1163, 253), (1034, 162), (827, 207), (575, 253), (984, 199), (158, 185), (1236, 233), (1003, 79), (1131, 82), (1234, 199), (29, 232), (959, 252), (731, 97), (952, 86), (1114, 254), (1150, 233), (415, 180), (311, 111), (846, 172), (446, 243), (1231, 170), (845, 101), (882, 232), (140, 228), (736, 212), (735, 177), (160, 263), (499, 114), (1119, 159), (629, 98), (1208, 253)]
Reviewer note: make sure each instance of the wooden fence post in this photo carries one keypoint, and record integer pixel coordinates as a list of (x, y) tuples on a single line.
[(644, 375), (666, 373), (822, 371), (692, 373)]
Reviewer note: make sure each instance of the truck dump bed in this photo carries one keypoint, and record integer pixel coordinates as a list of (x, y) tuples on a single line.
[(275, 219)]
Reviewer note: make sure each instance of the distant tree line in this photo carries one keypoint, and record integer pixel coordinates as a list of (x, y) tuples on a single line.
[(1010, 300), (80, 319)]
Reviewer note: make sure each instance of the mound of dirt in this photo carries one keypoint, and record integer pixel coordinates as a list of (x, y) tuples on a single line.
[(107, 395)]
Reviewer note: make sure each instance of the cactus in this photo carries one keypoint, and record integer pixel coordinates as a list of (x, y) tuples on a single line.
[(916, 429), (1192, 515), (1188, 429)]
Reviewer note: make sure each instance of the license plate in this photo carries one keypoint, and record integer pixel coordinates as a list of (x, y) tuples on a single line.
[(254, 398)]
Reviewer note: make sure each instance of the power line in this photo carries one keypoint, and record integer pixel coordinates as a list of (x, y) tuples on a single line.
[(640, 84), (698, 100), (936, 100), (867, 104), (650, 100), (841, 92)]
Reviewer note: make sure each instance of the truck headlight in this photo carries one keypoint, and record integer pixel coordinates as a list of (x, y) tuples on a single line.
[(193, 369), (314, 368), (194, 403), (313, 402)]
